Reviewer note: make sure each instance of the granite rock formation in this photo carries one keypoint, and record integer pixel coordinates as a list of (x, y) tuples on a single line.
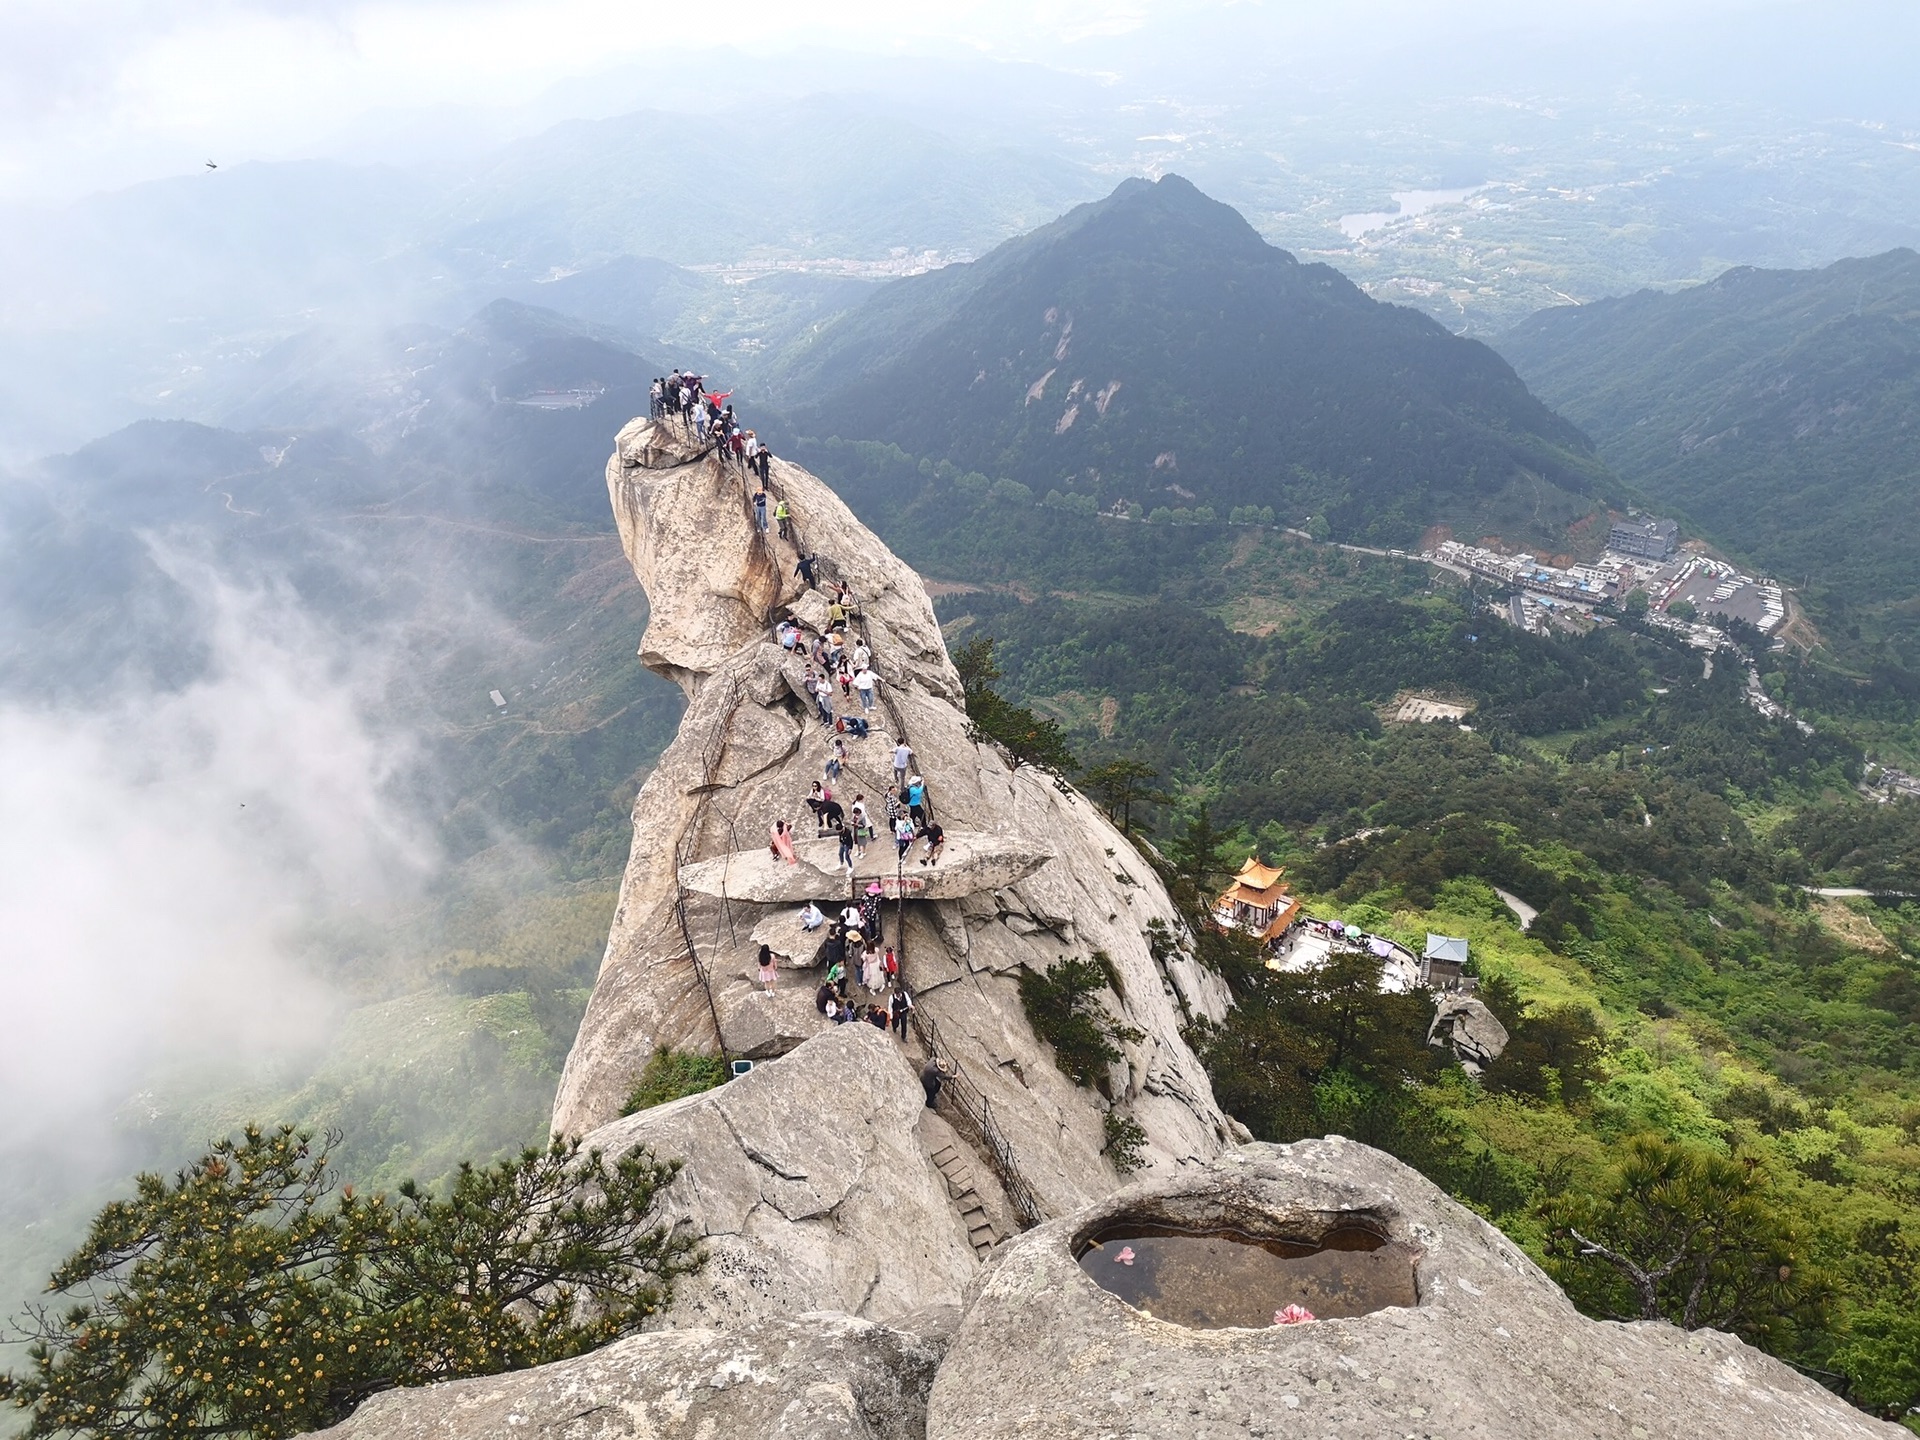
[(809, 1377), (812, 1181), (1032, 871), (1492, 1349)]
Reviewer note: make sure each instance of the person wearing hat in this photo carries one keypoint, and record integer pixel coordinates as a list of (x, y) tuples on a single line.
[(917, 801), (870, 913)]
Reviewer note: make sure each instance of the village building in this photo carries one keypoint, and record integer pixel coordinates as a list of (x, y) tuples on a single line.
[(1257, 903)]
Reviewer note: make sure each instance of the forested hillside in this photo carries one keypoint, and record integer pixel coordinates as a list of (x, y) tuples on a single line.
[(1679, 1000), (1773, 408), (1152, 350)]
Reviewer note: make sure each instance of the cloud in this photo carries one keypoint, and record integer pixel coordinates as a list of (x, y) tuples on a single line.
[(161, 856)]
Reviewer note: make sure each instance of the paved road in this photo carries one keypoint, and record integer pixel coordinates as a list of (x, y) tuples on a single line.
[(1524, 912)]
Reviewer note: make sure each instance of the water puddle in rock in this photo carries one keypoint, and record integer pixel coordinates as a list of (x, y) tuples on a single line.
[(1210, 1280)]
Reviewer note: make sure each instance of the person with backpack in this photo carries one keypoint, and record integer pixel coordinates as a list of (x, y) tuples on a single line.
[(903, 835)]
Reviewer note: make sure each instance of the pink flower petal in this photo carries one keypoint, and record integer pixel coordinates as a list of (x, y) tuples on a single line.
[(1125, 1257), (1293, 1315)]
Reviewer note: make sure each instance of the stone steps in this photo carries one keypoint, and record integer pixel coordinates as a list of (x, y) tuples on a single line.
[(956, 1168)]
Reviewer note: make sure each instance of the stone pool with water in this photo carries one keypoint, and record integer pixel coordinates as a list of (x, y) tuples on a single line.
[(1215, 1279)]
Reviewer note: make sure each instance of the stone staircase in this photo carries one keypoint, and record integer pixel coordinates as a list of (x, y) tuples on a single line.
[(956, 1168)]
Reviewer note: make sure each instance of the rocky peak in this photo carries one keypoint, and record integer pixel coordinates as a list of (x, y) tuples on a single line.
[(1031, 872)]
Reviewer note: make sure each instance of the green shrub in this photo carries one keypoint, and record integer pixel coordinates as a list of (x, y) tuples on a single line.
[(1126, 1142), (671, 1075), (250, 1295), (1063, 1008)]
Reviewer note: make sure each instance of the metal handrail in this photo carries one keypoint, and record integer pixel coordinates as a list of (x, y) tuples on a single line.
[(689, 841), (975, 1111)]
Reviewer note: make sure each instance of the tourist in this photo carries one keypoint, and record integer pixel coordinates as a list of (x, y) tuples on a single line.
[(845, 835), (768, 972), (890, 967), (931, 1076), (917, 800), (936, 842), (803, 567), (783, 518), (856, 953), (862, 656), (872, 974), (836, 757), (899, 1008), (823, 998), (832, 817), (902, 762), (862, 824), (877, 1018), (870, 907), (816, 798), (811, 918), (837, 973), (903, 835), (760, 511), (863, 681), (780, 841)]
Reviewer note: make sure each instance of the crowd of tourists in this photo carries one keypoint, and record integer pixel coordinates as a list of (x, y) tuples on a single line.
[(863, 983)]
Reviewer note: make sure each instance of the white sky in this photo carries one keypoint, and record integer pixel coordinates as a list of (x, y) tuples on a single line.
[(100, 93)]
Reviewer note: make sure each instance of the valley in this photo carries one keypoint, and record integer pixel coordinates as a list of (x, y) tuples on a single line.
[(1520, 567)]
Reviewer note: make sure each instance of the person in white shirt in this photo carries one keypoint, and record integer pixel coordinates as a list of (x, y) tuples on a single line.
[(863, 681), (902, 763)]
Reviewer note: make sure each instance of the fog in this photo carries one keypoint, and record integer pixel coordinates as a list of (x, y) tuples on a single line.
[(162, 855)]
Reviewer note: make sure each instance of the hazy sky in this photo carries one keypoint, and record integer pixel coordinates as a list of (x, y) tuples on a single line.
[(101, 93)]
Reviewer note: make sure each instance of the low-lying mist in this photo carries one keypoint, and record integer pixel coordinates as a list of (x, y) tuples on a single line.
[(161, 856)]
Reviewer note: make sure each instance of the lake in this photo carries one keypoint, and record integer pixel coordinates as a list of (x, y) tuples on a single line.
[(1411, 203)]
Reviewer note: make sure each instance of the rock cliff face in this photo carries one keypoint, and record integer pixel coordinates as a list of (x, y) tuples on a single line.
[(1031, 874)]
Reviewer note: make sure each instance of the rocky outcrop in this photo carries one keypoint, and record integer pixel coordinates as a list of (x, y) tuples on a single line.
[(808, 1377), (813, 1187), (1032, 872), (1469, 1029), (1492, 1348)]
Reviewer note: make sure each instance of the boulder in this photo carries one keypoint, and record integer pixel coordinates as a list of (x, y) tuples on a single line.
[(805, 1377), (1490, 1347), (810, 1181), (1468, 1028), (1033, 871)]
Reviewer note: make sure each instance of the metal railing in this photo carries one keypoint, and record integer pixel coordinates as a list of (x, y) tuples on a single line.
[(974, 1114), (684, 853)]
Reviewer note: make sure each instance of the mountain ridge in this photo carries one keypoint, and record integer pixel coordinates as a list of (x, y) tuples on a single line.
[(1151, 343)]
